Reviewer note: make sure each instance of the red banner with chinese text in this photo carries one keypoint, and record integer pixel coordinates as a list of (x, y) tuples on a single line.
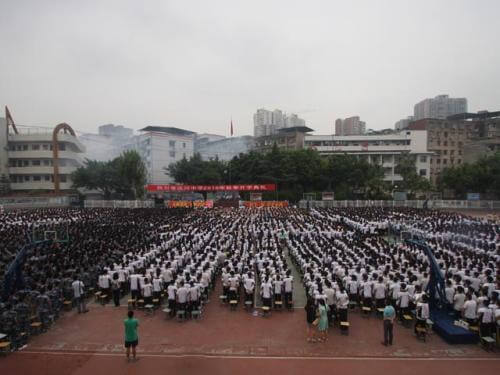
[(241, 187)]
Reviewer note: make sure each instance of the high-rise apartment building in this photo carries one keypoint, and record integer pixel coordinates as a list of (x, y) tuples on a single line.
[(439, 107), (350, 126), (403, 123), (269, 122)]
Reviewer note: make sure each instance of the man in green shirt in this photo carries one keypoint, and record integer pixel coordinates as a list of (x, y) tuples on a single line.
[(131, 337), (389, 315)]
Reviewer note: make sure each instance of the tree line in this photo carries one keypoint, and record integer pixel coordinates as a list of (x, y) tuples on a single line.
[(296, 172), (482, 177)]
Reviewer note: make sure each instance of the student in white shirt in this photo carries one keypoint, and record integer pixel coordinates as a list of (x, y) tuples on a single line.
[(172, 297), (469, 309), (266, 293), (134, 286), (278, 284), (342, 304), (157, 287), (249, 285), (182, 296), (288, 281), (147, 291), (379, 290), (458, 302), (79, 295), (422, 313), (403, 301), (486, 319)]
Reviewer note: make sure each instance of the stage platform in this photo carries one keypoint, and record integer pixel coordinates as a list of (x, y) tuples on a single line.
[(452, 334)]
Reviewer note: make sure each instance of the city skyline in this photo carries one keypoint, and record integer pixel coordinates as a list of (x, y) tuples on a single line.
[(195, 67)]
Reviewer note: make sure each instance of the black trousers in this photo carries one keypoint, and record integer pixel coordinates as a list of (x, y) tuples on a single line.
[(388, 325), (116, 297)]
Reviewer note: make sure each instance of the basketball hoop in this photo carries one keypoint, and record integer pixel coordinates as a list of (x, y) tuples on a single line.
[(50, 231)]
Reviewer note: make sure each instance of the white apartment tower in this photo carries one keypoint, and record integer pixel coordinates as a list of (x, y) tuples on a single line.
[(269, 122), (439, 107)]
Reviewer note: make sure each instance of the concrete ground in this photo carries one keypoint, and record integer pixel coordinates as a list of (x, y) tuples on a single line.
[(225, 341)]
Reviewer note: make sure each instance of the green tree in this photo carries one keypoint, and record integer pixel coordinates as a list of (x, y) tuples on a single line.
[(412, 181), (482, 176), (95, 175), (124, 176), (197, 171), (131, 174)]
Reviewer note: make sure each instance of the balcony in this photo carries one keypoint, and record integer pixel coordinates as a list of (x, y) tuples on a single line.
[(31, 170), (45, 154)]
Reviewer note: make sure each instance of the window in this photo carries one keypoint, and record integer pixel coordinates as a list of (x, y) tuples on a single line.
[(25, 163), (25, 147), (62, 177), (438, 161), (45, 147), (35, 163), (423, 159), (459, 152), (446, 134), (444, 161), (47, 177), (62, 146), (452, 152), (172, 154), (439, 143), (13, 178), (46, 162), (26, 178), (37, 178), (445, 143), (35, 147), (183, 144), (459, 161), (423, 172), (184, 155), (171, 143), (445, 152)]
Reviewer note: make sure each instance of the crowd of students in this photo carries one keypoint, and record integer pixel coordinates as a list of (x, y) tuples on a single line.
[(344, 256)]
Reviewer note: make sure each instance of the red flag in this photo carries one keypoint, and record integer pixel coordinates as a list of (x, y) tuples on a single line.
[(231, 127)]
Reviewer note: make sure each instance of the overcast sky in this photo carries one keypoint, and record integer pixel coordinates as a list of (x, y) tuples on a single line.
[(194, 64)]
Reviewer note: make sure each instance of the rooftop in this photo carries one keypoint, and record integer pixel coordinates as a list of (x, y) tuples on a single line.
[(167, 129), (303, 129)]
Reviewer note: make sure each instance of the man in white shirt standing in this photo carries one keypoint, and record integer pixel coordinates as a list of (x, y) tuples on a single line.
[(288, 282), (78, 294)]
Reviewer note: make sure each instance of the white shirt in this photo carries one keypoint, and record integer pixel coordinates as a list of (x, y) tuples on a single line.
[(379, 291), (266, 290), (423, 311), (288, 284), (77, 288), (458, 301), (147, 290), (182, 294), (470, 309), (157, 285), (487, 315)]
